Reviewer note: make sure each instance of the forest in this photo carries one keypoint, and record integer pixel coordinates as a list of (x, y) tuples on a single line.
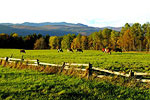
[(135, 37)]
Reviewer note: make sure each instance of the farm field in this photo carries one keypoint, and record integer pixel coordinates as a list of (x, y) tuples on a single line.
[(32, 85), (136, 61)]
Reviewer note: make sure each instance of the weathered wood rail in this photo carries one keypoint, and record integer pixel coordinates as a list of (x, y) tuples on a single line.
[(89, 68), (111, 72), (141, 74)]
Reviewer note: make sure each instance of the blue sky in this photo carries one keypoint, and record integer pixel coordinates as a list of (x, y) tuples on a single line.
[(98, 13)]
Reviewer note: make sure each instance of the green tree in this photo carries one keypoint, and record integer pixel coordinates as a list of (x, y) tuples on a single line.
[(125, 28), (147, 37), (78, 41), (114, 38), (46, 38), (144, 30), (137, 35), (67, 40), (106, 37), (97, 40)]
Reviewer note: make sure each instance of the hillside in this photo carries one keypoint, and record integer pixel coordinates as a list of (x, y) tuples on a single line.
[(56, 28)]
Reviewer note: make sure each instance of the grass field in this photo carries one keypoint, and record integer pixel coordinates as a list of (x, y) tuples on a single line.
[(137, 61), (30, 85)]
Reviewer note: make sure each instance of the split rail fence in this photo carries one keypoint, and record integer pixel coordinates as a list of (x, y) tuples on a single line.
[(90, 69)]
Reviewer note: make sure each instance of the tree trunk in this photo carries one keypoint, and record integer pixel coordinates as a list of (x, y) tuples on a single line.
[(140, 45), (149, 47)]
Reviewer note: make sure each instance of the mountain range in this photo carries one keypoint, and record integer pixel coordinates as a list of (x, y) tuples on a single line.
[(55, 28)]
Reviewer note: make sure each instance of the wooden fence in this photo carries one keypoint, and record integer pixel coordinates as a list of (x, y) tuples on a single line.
[(89, 68)]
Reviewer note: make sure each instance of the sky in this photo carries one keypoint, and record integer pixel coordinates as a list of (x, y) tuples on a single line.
[(97, 13)]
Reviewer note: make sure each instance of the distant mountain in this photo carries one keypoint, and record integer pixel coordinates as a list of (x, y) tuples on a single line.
[(54, 23), (113, 28), (56, 28)]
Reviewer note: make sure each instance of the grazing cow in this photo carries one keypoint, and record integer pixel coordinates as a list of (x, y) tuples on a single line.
[(69, 50), (79, 50), (106, 50), (118, 50), (59, 50), (22, 51), (103, 49)]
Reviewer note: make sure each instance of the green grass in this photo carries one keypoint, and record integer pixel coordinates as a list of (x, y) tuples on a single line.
[(136, 61), (31, 85)]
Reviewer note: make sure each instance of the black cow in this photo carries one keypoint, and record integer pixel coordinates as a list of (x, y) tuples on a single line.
[(79, 50), (69, 50), (22, 51), (59, 50), (118, 50)]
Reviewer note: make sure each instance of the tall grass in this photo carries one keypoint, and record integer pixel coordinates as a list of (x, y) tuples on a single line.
[(33, 85)]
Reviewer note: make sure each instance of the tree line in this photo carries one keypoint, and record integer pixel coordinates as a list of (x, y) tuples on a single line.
[(134, 37)]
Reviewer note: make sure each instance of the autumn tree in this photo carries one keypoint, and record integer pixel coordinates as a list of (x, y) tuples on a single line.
[(40, 44), (84, 42), (74, 43), (127, 40), (15, 35), (125, 28), (54, 42)]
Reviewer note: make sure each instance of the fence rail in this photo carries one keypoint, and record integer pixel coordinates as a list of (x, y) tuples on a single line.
[(66, 67), (48, 64), (89, 68), (111, 72), (141, 74), (75, 64)]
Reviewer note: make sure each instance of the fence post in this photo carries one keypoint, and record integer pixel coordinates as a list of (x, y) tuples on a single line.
[(22, 59), (89, 70), (1, 61), (62, 68), (6, 59), (38, 62), (131, 73)]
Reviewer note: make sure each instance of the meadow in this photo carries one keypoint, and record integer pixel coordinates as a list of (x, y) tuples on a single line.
[(33, 85), (22, 84), (126, 61)]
